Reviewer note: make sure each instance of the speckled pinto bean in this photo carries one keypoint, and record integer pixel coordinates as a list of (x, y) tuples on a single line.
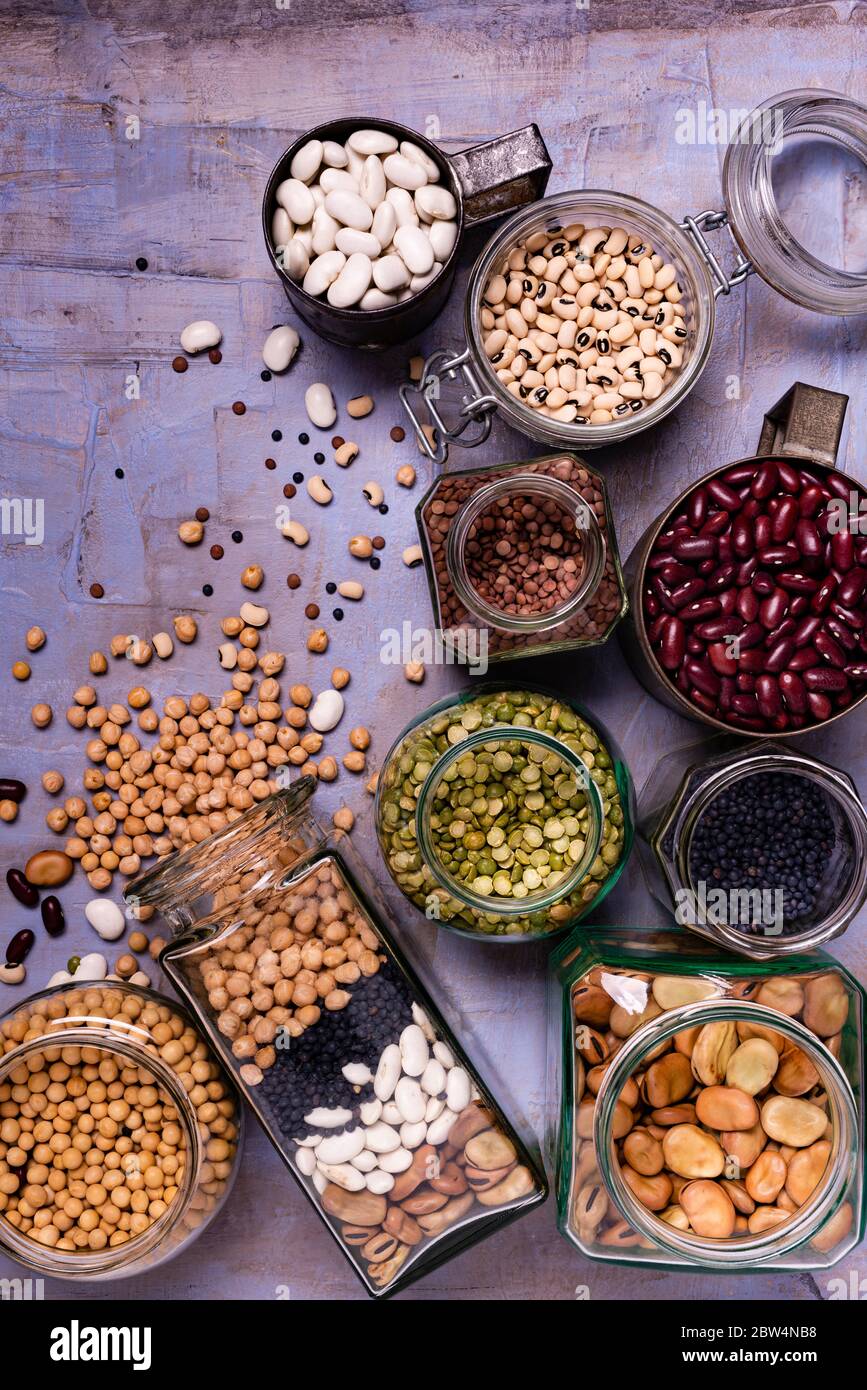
[(585, 325), (723, 1129), (755, 597)]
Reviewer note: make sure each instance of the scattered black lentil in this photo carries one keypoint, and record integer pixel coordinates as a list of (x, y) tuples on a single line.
[(237, 537), (298, 477), (771, 831), (338, 614), (331, 587), (318, 458), (265, 375), (141, 263), (207, 590), (276, 435), (374, 562), (118, 473), (302, 438), (383, 509)]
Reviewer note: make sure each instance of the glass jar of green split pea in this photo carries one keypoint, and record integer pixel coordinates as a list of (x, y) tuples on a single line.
[(505, 812)]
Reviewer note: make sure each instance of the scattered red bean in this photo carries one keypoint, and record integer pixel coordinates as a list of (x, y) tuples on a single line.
[(53, 918), (12, 790), (754, 605), (20, 946), (312, 610), (397, 434), (294, 581), (202, 514), (289, 490), (27, 895), (216, 357)]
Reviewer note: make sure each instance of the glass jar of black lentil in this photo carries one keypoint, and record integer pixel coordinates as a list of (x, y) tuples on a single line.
[(289, 962), (759, 849), (505, 812), (521, 558), (655, 1040)]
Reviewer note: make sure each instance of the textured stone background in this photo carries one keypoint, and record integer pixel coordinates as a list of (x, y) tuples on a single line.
[(219, 91)]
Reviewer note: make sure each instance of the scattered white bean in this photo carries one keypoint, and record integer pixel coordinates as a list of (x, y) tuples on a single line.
[(200, 335), (106, 918), (319, 404), (280, 347)]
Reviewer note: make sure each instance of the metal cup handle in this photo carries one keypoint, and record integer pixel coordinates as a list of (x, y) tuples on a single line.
[(806, 423), (502, 174)]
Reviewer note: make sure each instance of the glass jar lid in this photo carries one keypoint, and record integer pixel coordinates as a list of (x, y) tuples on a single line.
[(754, 213)]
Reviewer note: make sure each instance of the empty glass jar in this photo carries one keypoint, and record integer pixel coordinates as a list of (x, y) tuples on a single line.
[(521, 558), (120, 1131), (711, 1111), (504, 812), (291, 968), (760, 849)]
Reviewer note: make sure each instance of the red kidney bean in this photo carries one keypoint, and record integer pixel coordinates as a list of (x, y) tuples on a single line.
[(785, 520), (722, 577), (741, 473), (829, 649), (811, 499), (20, 946), (849, 616), (823, 595), (748, 604), (722, 663), (702, 608), (674, 573), (716, 523), (796, 582), (774, 608), (696, 508), (751, 508), (751, 636), (763, 583), (780, 655), (705, 702), (695, 548), (794, 691), (745, 572), (743, 538), (53, 919), (861, 552), (727, 689), (857, 670), (779, 555), (723, 495), (768, 696), (673, 647), (826, 679), (27, 895), (841, 633), (783, 629), (820, 705), (728, 601), (804, 658), (11, 789), (724, 550), (765, 480), (762, 532), (790, 478), (716, 628), (655, 629), (752, 661), (695, 646), (807, 538), (852, 587), (703, 678), (838, 484), (843, 550), (705, 567), (685, 593), (745, 703), (652, 606), (662, 595), (806, 629)]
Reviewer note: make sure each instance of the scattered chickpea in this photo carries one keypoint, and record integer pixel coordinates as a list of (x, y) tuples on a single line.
[(372, 783), (252, 576), (405, 475), (98, 664), (125, 966), (354, 761), (328, 770), (414, 671), (138, 697), (163, 645), (301, 695), (359, 738), (343, 819), (191, 532), (52, 782), (119, 644), (158, 944), (57, 820), (8, 811), (318, 640), (35, 639), (21, 671), (186, 628), (340, 678), (42, 715), (85, 695), (140, 652), (138, 942)]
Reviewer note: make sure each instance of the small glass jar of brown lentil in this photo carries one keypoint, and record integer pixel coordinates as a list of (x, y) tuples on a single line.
[(120, 1131), (522, 558)]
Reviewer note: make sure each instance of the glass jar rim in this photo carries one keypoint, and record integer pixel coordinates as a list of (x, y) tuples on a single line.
[(753, 211), (743, 1250), (533, 902), (473, 509), (683, 823), (576, 437), (67, 1264), (236, 849)]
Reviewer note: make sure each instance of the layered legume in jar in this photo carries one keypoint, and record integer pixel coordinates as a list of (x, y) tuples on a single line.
[(380, 1116), (725, 1130), (584, 324), (93, 1147), (525, 557), (512, 836), (755, 596)]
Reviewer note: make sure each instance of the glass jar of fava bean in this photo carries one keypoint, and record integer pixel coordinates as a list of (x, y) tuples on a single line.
[(505, 812), (120, 1132), (711, 1111), (290, 964), (759, 848), (521, 558)]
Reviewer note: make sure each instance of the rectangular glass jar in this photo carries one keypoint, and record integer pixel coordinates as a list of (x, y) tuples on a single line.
[(461, 508), (290, 964), (608, 1027)]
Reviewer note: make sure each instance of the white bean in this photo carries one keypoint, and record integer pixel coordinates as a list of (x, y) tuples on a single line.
[(366, 142), (351, 283), (414, 248), (349, 208), (323, 272), (319, 404), (280, 347), (306, 161), (352, 242), (403, 172), (390, 273), (296, 198), (199, 335), (435, 204)]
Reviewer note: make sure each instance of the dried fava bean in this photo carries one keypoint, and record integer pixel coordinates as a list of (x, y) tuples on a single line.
[(280, 347), (726, 1108), (826, 1005), (672, 991), (766, 1178), (49, 868), (805, 1170), (319, 404), (692, 1153), (668, 1080), (198, 336), (795, 1074), (714, 1047), (709, 1209), (796, 1123), (751, 1068)]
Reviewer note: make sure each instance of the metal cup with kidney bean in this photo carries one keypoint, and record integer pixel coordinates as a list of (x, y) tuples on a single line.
[(750, 594)]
